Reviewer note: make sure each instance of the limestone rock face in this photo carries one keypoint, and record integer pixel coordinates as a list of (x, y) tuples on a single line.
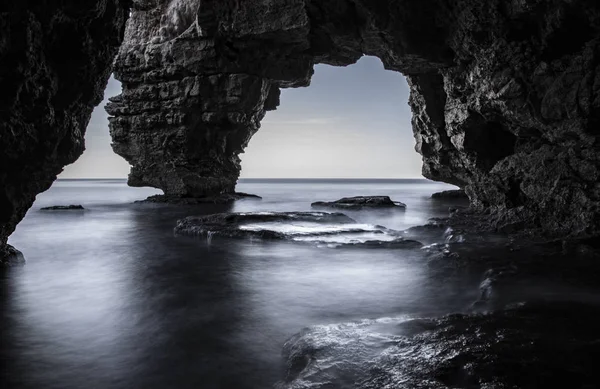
[(505, 94), (55, 60)]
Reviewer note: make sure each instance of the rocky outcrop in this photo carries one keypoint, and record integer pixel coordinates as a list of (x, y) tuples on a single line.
[(505, 95), (55, 61), (503, 349), (456, 194), (360, 202)]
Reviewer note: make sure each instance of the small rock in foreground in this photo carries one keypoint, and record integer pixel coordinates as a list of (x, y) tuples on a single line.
[(359, 202), (71, 207)]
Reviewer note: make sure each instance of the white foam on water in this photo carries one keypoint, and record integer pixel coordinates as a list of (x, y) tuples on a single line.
[(347, 238), (307, 228), (329, 234)]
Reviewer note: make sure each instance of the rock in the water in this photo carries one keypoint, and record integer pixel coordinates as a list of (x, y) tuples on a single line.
[(334, 230), (457, 194), (63, 208), (55, 61), (232, 224), (505, 95), (10, 256), (224, 198), (359, 202)]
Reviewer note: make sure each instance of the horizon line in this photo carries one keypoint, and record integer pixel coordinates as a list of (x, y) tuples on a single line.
[(265, 178)]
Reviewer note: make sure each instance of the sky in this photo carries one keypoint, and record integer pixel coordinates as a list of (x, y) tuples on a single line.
[(351, 122)]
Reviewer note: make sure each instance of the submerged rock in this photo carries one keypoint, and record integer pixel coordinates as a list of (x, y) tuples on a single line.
[(456, 194), (63, 208), (360, 202), (524, 346), (10, 256), (329, 229), (225, 198)]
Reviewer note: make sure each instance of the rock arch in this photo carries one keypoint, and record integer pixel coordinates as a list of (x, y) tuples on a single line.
[(494, 105), (191, 102)]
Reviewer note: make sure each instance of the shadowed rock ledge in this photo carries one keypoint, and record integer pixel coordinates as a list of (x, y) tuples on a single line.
[(505, 95), (224, 198), (55, 60), (457, 194)]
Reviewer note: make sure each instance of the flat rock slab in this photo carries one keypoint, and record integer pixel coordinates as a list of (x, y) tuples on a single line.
[(456, 194), (230, 224), (360, 202), (178, 200), (334, 230), (64, 208)]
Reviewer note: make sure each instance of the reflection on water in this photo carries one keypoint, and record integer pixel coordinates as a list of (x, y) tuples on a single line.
[(110, 298)]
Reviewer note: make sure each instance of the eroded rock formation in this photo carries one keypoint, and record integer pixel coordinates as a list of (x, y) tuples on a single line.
[(55, 60), (505, 94)]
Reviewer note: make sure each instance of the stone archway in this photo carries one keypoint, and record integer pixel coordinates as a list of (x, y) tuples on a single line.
[(495, 99), (195, 94)]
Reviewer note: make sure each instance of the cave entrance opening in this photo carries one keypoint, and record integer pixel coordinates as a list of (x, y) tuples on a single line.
[(351, 122)]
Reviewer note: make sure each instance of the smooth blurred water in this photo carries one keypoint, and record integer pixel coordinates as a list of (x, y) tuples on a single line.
[(110, 298)]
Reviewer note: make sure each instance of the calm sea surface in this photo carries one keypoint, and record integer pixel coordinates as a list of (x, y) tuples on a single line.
[(110, 298)]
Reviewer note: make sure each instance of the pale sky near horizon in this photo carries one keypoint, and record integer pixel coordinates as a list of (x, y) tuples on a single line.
[(352, 122)]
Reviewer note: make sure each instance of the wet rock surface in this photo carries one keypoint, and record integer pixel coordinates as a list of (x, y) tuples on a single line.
[(360, 202), (532, 323), (524, 346), (71, 207), (334, 230), (55, 60), (505, 96)]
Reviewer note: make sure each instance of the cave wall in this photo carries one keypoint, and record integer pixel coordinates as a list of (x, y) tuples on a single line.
[(55, 61), (504, 94)]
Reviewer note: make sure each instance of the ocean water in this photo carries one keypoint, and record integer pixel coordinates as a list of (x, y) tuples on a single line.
[(110, 297)]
